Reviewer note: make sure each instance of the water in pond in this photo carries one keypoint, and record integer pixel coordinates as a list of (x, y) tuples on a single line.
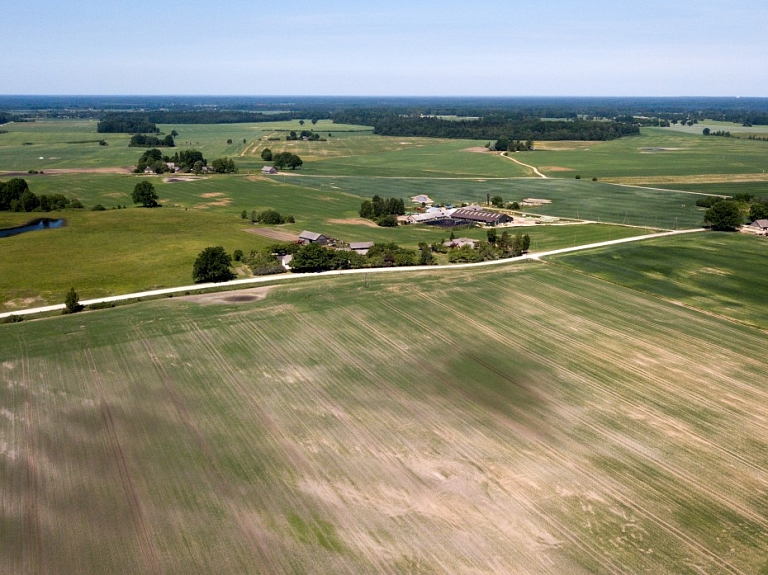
[(34, 225)]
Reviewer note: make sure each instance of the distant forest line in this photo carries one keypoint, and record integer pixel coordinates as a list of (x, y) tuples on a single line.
[(512, 118)]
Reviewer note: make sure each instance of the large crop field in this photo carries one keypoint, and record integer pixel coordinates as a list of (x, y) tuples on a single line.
[(720, 273), (519, 420)]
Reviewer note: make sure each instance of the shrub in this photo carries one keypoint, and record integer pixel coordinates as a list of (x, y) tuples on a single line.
[(387, 221), (98, 208), (71, 302)]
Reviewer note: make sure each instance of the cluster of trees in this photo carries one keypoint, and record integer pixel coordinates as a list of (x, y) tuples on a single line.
[(264, 261), (316, 258), (184, 160), (505, 246), (224, 166), (154, 159), (269, 217), (126, 123), (15, 196), (505, 144), (383, 211), (144, 141), (723, 133), (286, 160), (729, 214), (305, 134)]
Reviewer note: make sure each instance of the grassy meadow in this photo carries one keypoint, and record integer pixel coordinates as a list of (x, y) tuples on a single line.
[(525, 420)]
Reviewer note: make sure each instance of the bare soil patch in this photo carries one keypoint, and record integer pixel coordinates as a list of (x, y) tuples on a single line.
[(355, 222), (565, 145), (697, 179), (279, 235), (239, 296), (476, 149), (212, 195), (177, 179), (555, 169)]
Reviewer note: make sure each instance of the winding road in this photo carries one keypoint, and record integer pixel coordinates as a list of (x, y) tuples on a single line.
[(283, 277)]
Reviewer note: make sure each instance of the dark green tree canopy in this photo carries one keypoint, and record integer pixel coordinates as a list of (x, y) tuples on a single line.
[(724, 216), (758, 211), (286, 160), (144, 193), (213, 264)]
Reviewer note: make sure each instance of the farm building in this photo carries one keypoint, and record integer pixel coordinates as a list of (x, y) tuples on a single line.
[(480, 217), (760, 225), (306, 237), (427, 218), (360, 247), (268, 170)]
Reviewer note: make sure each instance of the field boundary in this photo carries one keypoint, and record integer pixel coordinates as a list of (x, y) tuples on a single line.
[(404, 269)]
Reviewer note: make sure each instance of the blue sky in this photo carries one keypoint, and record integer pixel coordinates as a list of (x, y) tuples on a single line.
[(419, 48)]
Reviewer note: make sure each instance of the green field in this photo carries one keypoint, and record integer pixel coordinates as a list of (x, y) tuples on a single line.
[(110, 252), (655, 152), (518, 420), (720, 273)]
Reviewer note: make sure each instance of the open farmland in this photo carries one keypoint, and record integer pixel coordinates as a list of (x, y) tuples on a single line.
[(517, 421), (654, 156), (577, 199), (720, 273)]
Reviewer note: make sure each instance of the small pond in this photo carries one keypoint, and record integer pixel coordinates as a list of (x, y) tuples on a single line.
[(34, 225)]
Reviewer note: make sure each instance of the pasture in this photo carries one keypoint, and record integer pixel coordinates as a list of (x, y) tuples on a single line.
[(111, 252), (721, 273), (519, 420)]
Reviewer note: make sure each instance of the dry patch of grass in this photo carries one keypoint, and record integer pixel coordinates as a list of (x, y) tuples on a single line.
[(354, 222), (694, 179), (554, 169), (564, 145), (279, 235)]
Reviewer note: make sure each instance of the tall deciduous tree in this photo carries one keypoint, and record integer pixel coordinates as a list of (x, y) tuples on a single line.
[(213, 264), (724, 216), (144, 193)]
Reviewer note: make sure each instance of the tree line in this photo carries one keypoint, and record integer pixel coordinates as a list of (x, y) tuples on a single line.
[(15, 196), (383, 211), (144, 141), (126, 123), (510, 126)]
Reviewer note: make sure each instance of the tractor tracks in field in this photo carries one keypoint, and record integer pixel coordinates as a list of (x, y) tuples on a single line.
[(33, 545), (610, 489), (147, 549), (224, 486)]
